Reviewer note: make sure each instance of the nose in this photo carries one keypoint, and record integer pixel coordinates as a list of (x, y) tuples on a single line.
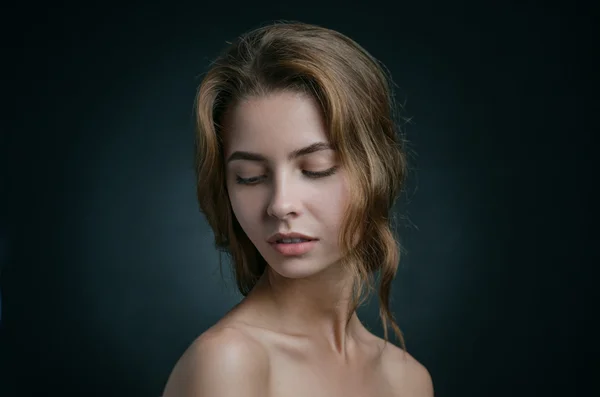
[(284, 201)]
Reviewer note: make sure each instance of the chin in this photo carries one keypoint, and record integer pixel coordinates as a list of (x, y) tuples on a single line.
[(288, 270), (298, 267)]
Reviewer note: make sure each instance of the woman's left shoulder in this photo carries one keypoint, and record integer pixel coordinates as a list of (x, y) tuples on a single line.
[(406, 374)]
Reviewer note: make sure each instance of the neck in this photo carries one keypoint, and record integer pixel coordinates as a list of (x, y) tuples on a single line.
[(315, 307)]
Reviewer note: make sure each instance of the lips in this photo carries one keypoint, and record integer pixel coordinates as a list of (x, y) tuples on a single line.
[(294, 249), (293, 235)]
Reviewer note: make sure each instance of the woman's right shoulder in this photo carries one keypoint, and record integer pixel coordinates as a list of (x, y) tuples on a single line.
[(227, 338), (224, 360)]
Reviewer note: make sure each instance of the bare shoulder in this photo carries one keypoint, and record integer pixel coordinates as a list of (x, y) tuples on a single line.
[(407, 375), (223, 361)]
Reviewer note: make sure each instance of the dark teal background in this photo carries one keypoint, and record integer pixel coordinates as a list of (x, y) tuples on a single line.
[(110, 270)]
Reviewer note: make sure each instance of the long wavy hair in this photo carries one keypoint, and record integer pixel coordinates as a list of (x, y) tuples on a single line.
[(355, 94)]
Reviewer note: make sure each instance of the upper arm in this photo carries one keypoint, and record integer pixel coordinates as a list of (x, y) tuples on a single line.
[(220, 364)]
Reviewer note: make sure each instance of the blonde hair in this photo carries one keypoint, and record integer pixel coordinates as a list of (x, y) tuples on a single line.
[(355, 95)]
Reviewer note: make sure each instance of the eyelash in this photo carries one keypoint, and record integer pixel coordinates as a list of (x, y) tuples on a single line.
[(309, 174)]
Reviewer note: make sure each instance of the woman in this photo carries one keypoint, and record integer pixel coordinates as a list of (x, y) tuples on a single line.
[(299, 164)]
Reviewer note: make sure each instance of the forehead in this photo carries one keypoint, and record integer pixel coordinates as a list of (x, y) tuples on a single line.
[(277, 123)]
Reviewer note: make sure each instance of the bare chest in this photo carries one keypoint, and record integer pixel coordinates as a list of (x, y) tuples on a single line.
[(289, 378)]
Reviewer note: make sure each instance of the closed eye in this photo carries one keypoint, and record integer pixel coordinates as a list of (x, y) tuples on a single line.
[(310, 174)]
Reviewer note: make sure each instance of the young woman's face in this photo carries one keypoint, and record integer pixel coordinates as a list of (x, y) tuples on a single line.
[(282, 177)]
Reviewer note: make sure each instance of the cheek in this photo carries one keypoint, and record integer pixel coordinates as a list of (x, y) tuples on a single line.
[(330, 204), (246, 212)]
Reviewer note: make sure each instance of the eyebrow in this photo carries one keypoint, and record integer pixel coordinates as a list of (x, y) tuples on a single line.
[(315, 147)]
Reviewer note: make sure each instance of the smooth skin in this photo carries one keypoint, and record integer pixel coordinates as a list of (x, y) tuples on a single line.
[(288, 337)]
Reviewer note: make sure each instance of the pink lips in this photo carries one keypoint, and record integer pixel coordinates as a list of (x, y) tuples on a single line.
[(294, 249)]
